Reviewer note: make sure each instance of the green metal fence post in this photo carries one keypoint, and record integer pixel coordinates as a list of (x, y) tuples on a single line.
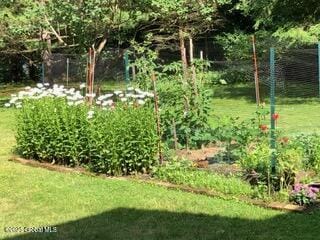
[(127, 67), (319, 66), (272, 109)]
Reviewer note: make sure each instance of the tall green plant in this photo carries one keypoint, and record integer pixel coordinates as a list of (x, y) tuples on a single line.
[(119, 141)]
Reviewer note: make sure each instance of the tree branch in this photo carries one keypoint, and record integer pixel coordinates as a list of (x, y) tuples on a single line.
[(55, 32)]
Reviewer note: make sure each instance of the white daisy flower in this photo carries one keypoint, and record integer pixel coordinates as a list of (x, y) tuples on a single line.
[(117, 92), (140, 102)]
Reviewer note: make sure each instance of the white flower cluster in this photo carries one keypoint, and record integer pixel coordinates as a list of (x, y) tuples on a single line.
[(42, 90), (131, 96)]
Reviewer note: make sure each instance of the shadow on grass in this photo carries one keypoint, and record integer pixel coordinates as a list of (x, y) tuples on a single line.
[(124, 223)]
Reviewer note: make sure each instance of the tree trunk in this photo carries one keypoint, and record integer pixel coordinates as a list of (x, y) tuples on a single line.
[(47, 57), (102, 44)]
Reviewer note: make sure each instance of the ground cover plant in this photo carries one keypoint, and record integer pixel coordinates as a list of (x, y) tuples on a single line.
[(185, 173)]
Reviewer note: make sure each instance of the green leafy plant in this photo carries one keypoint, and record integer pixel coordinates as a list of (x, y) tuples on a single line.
[(184, 102), (311, 146), (118, 141), (289, 162), (235, 136), (184, 173), (257, 164), (303, 194)]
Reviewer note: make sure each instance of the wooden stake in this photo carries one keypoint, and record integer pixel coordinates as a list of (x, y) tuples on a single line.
[(193, 69), (93, 63), (156, 108), (175, 134), (183, 54), (133, 72), (256, 73)]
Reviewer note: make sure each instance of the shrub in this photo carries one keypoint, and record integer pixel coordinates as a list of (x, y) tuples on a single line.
[(122, 140)]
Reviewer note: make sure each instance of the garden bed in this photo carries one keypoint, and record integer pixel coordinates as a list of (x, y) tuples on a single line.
[(149, 180), (205, 158)]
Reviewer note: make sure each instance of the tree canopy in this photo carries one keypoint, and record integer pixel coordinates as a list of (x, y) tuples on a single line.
[(76, 25)]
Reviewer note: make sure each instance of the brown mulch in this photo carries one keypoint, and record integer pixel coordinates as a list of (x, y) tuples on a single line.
[(200, 157)]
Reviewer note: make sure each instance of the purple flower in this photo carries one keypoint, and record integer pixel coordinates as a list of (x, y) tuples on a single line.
[(304, 194)]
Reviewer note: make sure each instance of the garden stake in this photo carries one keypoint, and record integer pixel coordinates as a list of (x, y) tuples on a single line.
[(156, 108), (88, 74), (133, 68), (175, 134), (272, 109), (256, 73), (193, 69), (127, 68), (42, 72)]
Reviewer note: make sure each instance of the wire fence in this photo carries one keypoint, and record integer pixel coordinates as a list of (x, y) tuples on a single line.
[(297, 81), (70, 69)]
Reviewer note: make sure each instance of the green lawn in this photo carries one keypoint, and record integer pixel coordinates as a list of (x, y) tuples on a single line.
[(297, 114), (83, 207)]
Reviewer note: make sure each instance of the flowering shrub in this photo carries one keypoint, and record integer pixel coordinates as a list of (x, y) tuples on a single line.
[(42, 90), (303, 194), (120, 139)]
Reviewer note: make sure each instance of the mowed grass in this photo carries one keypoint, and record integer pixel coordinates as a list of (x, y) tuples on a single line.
[(83, 207), (297, 114)]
